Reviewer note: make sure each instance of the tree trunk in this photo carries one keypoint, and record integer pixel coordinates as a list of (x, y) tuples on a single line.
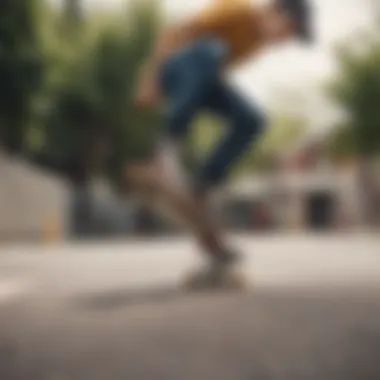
[(368, 192)]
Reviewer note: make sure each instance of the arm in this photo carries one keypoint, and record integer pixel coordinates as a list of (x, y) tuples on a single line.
[(173, 39)]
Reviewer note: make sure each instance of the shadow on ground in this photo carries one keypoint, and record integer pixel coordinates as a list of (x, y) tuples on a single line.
[(121, 298)]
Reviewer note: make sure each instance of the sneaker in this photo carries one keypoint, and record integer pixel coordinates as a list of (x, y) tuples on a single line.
[(227, 258), (220, 274)]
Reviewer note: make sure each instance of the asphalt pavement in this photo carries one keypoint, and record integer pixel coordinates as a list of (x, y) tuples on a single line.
[(105, 311)]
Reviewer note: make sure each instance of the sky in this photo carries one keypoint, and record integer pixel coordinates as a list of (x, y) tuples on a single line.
[(292, 71)]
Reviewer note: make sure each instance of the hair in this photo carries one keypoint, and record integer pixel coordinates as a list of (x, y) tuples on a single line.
[(301, 12)]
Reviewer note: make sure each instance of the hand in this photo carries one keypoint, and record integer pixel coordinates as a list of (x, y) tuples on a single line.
[(147, 95)]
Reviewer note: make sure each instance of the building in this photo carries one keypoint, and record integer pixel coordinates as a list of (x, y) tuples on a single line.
[(304, 191)]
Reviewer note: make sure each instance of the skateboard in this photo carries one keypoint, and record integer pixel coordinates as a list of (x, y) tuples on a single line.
[(229, 280)]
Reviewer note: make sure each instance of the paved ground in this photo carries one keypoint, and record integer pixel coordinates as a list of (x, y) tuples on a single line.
[(115, 312)]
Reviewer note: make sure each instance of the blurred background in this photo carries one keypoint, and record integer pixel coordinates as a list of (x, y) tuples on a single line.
[(99, 298), (68, 123)]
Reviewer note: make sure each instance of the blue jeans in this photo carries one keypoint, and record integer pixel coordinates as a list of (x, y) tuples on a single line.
[(191, 80)]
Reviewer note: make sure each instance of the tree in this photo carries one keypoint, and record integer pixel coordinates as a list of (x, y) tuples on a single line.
[(342, 143), (91, 123), (21, 69), (357, 90), (73, 17)]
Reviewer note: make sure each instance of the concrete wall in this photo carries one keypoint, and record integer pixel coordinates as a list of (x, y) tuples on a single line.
[(33, 204)]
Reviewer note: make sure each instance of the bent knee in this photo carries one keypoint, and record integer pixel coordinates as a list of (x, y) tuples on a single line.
[(254, 123)]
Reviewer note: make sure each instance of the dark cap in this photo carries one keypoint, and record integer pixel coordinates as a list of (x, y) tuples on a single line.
[(302, 15)]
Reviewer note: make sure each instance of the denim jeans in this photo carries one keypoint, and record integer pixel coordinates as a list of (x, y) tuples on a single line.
[(192, 81)]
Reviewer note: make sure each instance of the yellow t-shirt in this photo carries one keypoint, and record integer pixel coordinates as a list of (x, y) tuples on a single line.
[(236, 22)]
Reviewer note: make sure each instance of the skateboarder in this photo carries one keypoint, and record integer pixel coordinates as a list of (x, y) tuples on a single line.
[(187, 69)]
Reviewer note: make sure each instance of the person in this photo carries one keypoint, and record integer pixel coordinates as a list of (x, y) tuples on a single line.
[(187, 69)]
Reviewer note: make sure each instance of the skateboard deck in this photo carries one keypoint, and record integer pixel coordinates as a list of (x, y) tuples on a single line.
[(234, 280)]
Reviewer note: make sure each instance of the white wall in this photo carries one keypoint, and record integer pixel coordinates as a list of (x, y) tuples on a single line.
[(30, 200)]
